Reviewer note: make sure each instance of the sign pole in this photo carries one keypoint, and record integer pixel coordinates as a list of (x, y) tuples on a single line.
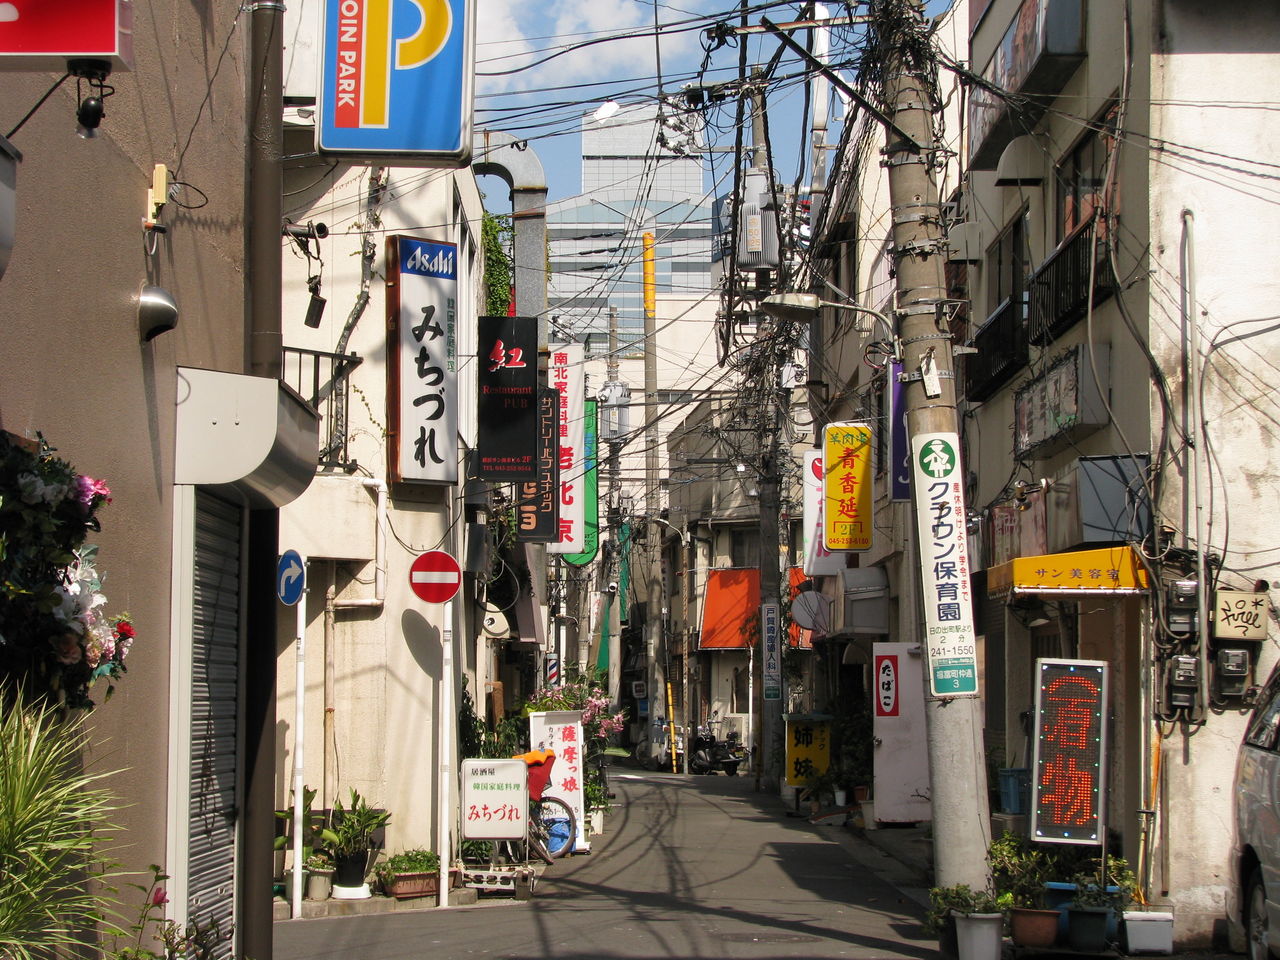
[(446, 751), (299, 726)]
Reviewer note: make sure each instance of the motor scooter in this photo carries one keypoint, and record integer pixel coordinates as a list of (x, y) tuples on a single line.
[(711, 755)]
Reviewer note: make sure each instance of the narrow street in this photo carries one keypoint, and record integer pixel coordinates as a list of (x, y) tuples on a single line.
[(687, 867)]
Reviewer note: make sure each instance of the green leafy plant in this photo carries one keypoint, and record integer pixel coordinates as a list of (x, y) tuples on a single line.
[(315, 835), (1019, 869), (354, 826), (476, 851), (1109, 885), (961, 898), (407, 861), (54, 817), (319, 861), (496, 234)]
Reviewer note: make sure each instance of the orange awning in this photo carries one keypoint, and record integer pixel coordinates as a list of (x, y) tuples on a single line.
[(730, 609), (801, 638)]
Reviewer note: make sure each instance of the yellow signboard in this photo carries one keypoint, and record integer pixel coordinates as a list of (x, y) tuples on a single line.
[(808, 749), (846, 486), (1109, 570)]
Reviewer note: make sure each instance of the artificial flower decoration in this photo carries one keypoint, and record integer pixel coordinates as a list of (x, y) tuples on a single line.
[(56, 638)]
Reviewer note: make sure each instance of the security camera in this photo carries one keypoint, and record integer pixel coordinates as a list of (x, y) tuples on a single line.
[(612, 587)]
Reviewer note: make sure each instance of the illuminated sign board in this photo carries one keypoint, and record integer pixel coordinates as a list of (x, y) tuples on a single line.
[(1068, 789), (507, 406), (846, 485), (808, 749), (42, 35), (396, 80)]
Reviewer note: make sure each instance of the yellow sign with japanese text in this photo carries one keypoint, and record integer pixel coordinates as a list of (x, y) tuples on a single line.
[(808, 749), (846, 486)]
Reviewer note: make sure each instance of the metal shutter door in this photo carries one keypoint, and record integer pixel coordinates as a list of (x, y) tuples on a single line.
[(214, 701)]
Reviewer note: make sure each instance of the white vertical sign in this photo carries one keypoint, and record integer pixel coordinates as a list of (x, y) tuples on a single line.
[(560, 731), (818, 560), (770, 623), (565, 373), (427, 361), (950, 644)]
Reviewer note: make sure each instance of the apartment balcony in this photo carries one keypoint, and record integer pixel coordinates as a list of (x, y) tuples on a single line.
[(1002, 351), (322, 380), (1060, 289)]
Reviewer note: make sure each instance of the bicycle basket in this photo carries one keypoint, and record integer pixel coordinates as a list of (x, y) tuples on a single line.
[(539, 763)]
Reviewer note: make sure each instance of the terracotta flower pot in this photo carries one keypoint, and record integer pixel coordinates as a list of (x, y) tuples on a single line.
[(407, 886), (1033, 928)]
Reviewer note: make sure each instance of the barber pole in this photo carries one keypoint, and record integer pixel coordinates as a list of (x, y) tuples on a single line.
[(553, 671)]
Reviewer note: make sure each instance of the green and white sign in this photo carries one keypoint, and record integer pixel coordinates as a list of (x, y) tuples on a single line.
[(771, 676), (950, 645)]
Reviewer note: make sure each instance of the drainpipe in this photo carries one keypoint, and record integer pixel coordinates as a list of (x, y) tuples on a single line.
[(265, 212), (1197, 456)]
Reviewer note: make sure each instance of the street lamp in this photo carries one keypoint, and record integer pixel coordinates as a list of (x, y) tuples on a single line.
[(804, 306)]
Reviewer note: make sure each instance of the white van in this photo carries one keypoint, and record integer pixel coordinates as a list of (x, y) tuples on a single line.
[(1257, 857)]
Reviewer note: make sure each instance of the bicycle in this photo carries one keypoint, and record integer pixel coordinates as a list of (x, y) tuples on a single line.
[(552, 826)]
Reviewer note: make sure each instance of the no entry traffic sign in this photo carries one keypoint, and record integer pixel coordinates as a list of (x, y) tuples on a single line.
[(435, 576)]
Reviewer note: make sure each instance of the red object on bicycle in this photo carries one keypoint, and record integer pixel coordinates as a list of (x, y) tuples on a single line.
[(539, 763)]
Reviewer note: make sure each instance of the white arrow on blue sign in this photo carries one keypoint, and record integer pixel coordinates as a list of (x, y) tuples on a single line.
[(291, 577)]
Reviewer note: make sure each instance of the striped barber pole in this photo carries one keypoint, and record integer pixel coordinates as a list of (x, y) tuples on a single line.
[(553, 671)]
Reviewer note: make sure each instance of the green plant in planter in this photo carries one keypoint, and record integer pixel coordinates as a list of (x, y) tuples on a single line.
[(961, 898), (1114, 892), (354, 826), (407, 861), (319, 861), (315, 835), (1019, 869)]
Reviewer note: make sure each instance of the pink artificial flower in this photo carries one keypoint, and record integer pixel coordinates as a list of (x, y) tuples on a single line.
[(88, 490), (67, 648)]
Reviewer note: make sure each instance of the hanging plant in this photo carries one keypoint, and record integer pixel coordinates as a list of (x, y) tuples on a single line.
[(56, 639)]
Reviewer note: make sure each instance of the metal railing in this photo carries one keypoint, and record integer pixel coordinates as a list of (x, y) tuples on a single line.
[(322, 379), (1060, 288), (1002, 351)]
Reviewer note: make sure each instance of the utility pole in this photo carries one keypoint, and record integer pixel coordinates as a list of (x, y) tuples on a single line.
[(957, 769)]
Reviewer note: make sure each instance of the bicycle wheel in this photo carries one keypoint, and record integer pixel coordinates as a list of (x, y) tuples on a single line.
[(553, 824)]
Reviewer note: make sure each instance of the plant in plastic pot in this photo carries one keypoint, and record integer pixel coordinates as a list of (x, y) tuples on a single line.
[(1019, 869), (353, 828), (1095, 908), (968, 923)]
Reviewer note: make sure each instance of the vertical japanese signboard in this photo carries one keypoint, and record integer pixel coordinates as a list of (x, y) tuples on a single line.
[(899, 446), (1068, 788), (560, 731), (888, 689), (950, 645), (590, 492), (538, 506), (818, 560), (846, 486), (396, 80), (422, 385), (495, 799), (565, 373), (507, 408), (771, 675), (808, 749)]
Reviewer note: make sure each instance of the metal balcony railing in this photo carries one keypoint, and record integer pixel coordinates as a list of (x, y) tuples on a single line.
[(322, 379), (1060, 288), (1002, 351)]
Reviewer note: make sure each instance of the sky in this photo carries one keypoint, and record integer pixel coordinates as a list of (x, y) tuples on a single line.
[(532, 84)]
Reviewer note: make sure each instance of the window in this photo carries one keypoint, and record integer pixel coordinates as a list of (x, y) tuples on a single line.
[(741, 694), (1007, 264), (744, 548), (1081, 173)]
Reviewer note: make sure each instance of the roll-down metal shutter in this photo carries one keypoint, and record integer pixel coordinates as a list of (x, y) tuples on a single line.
[(214, 702)]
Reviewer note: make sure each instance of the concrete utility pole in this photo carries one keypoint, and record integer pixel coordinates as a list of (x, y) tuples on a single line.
[(957, 769)]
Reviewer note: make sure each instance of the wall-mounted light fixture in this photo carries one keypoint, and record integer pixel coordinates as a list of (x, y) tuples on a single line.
[(157, 312), (91, 75)]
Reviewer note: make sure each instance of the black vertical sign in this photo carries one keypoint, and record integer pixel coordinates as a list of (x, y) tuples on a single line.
[(1068, 791), (507, 434), (538, 503)]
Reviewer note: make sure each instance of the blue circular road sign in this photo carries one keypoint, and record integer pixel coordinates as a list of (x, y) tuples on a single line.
[(291, 577)]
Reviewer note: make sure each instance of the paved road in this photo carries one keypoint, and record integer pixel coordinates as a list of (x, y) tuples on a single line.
[(689, 867)]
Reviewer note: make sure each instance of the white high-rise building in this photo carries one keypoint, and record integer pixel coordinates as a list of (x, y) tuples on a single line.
[(637, 176)]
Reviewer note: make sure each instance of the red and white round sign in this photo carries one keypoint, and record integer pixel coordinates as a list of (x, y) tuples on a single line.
[(435, 576)]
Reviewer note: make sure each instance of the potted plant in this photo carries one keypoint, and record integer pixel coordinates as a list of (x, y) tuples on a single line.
[(1095, 908), (409, 874), (319, 876), (1019, 868), (968, 923), (315, 835), (353, 829)]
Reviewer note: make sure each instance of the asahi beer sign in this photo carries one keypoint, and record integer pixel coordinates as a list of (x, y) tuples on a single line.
[(950, 644), (396, 80), (422, 308)]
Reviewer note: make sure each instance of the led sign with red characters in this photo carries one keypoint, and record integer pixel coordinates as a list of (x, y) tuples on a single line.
[(1068, 798)]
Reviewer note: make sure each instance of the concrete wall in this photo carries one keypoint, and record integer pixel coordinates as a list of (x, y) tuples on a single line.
[(73, 365)]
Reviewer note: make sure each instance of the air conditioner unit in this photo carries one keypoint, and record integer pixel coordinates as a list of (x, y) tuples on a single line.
[(864, 602)]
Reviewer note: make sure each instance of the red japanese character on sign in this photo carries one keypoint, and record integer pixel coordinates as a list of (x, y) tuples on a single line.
[(500, 358), (569, 735), (1067, 790), (569, 784), (1069, 701), (570, 754)]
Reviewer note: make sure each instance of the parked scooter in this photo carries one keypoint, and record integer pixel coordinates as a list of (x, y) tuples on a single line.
[(711, 755)]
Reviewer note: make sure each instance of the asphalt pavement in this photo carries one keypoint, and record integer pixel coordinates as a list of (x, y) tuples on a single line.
[(688, 867)]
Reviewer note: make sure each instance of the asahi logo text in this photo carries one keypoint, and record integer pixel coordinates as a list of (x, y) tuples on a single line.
[(430, 261)]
